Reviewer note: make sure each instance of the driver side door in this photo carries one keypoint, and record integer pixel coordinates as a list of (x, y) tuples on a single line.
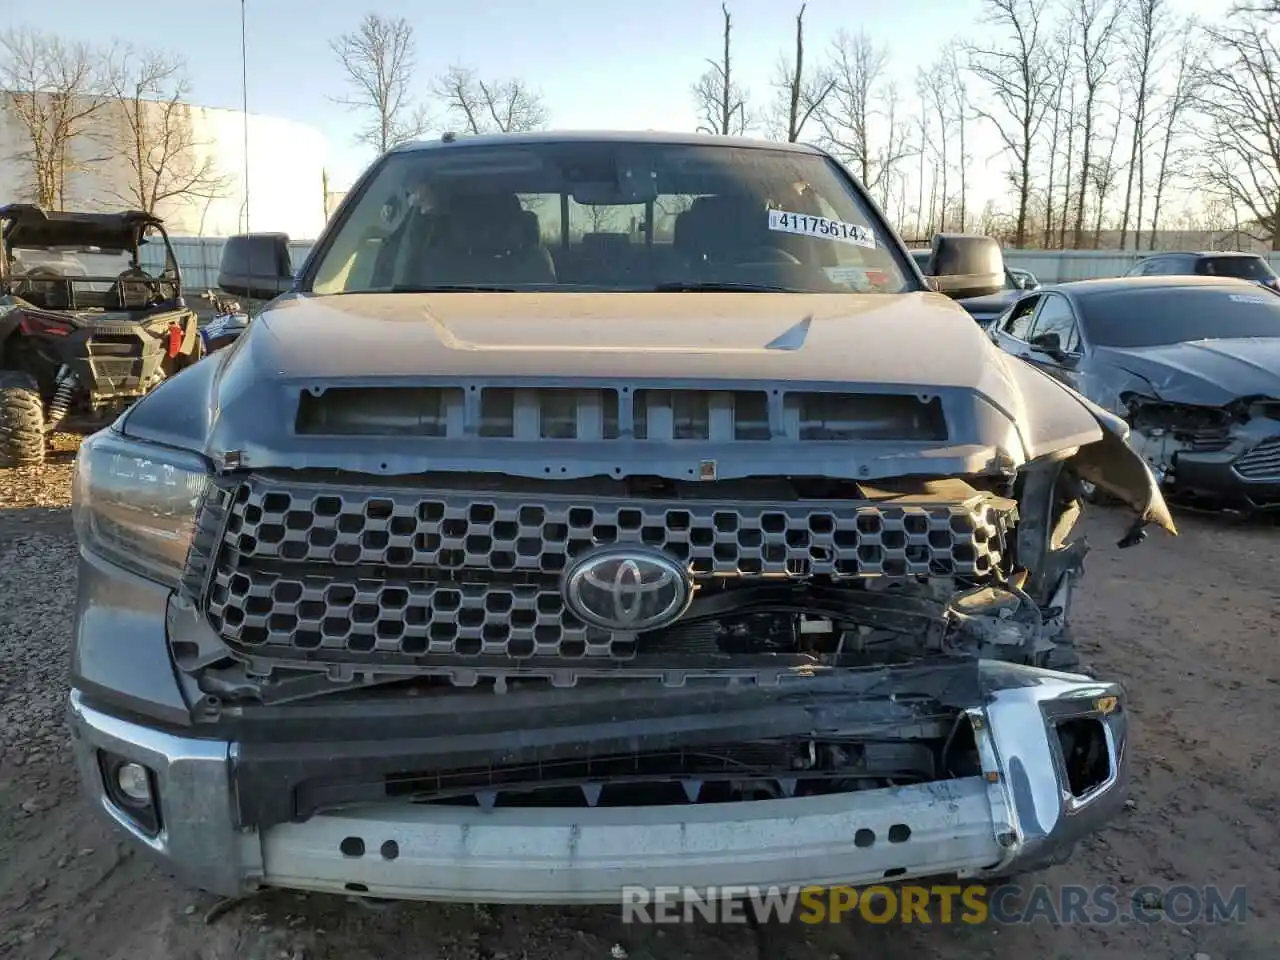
[(1054, 341)]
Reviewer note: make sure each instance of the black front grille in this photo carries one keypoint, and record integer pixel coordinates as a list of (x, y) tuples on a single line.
[(1262, 463), (410, 572)]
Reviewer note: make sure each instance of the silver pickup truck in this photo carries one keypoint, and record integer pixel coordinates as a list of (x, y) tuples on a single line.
[(599, 510)]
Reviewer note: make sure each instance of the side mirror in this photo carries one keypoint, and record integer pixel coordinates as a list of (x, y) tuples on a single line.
[(967, 266), (1050, 344), (256, 266)]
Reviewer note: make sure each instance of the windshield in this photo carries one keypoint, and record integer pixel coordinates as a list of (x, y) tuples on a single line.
[(608, 216), (31, 264), (1246, 268), (1152, 318)]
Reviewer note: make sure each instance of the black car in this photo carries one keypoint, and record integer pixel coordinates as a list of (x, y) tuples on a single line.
[(1191, 363), (1245, 266)]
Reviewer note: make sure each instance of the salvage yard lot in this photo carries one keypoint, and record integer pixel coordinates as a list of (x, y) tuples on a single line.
[(1191, 625)]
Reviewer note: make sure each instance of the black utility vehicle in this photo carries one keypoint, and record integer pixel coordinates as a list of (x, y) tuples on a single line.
[(84, 329)]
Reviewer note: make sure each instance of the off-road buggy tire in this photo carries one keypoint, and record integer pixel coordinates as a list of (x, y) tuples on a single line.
[(22, 440)]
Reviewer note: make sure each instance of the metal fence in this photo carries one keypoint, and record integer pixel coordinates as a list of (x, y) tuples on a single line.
[(199, 256)]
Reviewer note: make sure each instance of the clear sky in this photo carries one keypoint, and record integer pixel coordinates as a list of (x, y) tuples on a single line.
[(598, 63)]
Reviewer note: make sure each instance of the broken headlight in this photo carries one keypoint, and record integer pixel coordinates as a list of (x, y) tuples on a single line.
[(1268, 409), (135, 504), (1146, 413)]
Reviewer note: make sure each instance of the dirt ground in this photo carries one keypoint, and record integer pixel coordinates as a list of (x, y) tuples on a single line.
[(1189, 624)]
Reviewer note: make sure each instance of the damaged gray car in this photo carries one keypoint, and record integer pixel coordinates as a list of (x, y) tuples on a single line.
[(1192, 364), (599, 510)]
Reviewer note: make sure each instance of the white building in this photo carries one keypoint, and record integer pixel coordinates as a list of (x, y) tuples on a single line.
[(286, 172)]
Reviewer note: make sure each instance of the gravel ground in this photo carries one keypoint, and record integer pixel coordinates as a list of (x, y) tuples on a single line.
[(1189, 624)]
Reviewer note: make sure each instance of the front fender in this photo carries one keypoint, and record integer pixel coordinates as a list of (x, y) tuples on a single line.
[(1054, 417), (1115, 468)]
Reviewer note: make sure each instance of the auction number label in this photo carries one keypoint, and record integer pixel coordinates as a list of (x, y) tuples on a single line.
[(807, 225)]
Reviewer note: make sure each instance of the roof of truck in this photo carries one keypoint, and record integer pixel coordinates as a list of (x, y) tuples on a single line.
[(615, 136)]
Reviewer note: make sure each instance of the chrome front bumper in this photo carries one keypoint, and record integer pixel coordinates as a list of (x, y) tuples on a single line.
[(1019, 815)]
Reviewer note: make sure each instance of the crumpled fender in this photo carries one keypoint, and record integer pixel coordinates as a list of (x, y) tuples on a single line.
[(1053, 416), (1115, 468)]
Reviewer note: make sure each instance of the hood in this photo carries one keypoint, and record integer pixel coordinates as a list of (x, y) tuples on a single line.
[(390, 356), (1207, 372), (725, 336)]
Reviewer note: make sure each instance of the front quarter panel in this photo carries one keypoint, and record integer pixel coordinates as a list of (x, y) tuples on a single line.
[(1105, 460), (182, 410), (1105, 385)]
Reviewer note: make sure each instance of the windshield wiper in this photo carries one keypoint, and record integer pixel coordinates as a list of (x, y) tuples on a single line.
[(721, 287), (445, 288)]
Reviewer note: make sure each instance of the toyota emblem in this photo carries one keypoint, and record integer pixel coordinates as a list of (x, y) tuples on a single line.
[(628, 589)]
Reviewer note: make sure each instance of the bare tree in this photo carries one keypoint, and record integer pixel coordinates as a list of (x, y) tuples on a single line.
[(1016, 75), (1239, 91), (860, 118), (1268, 8), (961, 107), (1104, 175), (603, 218), (490, 106), (1068, 183), (52, 94), (1146, 37), (721, 102), (1056, 102), (378, 58), (152, 120), (1095, 23), (800, 94), (937, 99), (928, 157), (1175, 107)]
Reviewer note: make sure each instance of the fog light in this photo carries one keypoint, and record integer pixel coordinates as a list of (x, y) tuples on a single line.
[(132, 789), (133, 782)]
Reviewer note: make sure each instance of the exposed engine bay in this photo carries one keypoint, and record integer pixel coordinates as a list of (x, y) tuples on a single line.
[(886, 665), (1239, 443)]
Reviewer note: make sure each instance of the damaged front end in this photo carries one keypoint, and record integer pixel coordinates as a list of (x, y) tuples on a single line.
[(401, 688), (1210, 456)]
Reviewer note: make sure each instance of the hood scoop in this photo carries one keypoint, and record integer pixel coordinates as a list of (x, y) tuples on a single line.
[(606, 340), (590, 413), (792, 339)]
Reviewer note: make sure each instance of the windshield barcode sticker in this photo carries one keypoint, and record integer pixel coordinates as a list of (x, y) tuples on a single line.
[(1246, 298), (807, 225)]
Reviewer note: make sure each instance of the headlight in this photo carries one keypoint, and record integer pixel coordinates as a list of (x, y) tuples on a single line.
[(135, 503)]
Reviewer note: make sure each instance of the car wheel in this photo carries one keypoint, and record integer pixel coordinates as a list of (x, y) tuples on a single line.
[(21, 420)]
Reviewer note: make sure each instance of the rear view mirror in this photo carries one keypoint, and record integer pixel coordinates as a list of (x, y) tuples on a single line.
[(966, 266), (256, 266), (627, 191)]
